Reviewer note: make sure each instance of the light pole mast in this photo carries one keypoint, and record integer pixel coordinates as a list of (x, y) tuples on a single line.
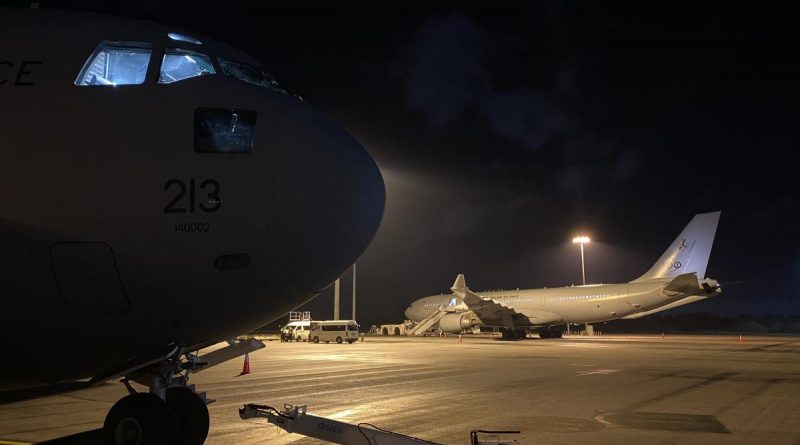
[(354, 291), (583, 267), (336, 286), (582, 240)]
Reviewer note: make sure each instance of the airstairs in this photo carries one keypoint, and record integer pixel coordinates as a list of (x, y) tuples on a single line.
[(427, 323)]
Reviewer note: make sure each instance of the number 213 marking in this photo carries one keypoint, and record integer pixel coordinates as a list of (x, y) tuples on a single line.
[(210, 187)]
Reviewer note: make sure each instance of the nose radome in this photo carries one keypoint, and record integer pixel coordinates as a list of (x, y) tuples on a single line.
[(409, 313), (329, 196)]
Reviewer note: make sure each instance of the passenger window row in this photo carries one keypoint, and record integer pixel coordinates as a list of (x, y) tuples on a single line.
[(125, 63)]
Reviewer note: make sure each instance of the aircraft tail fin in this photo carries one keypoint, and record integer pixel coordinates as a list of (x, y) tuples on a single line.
[(689, 252)]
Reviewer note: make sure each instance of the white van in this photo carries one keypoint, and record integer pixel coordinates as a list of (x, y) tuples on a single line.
[(297, 330), (339, 331)]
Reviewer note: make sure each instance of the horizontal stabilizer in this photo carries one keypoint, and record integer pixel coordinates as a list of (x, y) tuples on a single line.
[(685, 283)]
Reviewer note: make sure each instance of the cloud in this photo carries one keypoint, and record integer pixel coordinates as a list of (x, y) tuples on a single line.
[(524, 115), (448, 68), (448, 72), (462, 220), (627, 164)]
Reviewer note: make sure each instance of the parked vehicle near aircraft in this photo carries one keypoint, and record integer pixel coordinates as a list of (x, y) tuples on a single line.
[(339, 331)]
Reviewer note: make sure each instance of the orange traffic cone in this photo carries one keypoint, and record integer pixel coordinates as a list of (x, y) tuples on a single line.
[(459, 338), (246, 366)]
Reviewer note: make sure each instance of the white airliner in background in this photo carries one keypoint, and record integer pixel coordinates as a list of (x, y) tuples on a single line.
[(677, 278), (159, 192)]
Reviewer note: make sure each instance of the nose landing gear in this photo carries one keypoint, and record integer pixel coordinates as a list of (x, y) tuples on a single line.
[(140, 419), (172, 412)]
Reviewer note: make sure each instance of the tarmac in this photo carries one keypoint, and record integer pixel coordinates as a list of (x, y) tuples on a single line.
[(601, 390)]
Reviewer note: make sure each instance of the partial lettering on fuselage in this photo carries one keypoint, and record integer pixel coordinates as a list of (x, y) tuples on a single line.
[(18, 73)]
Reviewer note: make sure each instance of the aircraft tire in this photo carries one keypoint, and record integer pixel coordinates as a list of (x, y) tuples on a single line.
[(316, 339), (141, 418), (544, 334), (192, 413), (339, 340)]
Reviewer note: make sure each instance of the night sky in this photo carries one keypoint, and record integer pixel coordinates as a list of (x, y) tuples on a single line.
[(501, 133)]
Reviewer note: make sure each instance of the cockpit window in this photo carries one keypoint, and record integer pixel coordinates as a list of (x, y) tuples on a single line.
[(249, 74), (245, 73), (180, 64), (116, 63)]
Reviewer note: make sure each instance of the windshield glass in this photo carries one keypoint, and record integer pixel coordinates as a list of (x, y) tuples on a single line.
[(116, 63), (180, 64), (250, 74)]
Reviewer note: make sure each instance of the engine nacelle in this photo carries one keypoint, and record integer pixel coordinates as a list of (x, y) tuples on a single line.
[(455, 323)]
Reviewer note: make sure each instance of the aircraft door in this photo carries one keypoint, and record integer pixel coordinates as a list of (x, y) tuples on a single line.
[(87, 277)]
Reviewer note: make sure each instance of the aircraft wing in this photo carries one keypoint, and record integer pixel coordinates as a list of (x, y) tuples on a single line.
[(486, 308)]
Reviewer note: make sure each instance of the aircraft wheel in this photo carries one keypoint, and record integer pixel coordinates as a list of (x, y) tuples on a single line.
[(316, 339), (519, 335), (339, 340), (544, 334), (192, 413), (351, 341), (140, 418)]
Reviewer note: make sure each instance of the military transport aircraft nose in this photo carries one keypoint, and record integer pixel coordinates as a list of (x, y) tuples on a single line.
[(409, 313), (329, 195)]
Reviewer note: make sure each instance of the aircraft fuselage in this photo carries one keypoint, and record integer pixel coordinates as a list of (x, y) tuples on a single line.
[(121, 238)]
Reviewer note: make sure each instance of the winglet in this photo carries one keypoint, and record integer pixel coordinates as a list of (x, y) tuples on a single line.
[(460, 285), (461, 290)]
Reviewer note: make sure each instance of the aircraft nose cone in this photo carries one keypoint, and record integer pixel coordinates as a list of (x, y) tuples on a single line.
[(329, 195), (409, 313)]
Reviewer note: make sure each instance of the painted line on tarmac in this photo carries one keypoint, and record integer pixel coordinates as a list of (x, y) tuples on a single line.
[(599, 372)]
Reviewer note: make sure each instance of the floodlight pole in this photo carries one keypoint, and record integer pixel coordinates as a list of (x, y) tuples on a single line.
[(336, 286), (583, 267), (581, 240), (354, 291)]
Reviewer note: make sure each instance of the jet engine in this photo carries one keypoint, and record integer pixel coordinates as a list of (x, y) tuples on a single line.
[(455, 323)]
